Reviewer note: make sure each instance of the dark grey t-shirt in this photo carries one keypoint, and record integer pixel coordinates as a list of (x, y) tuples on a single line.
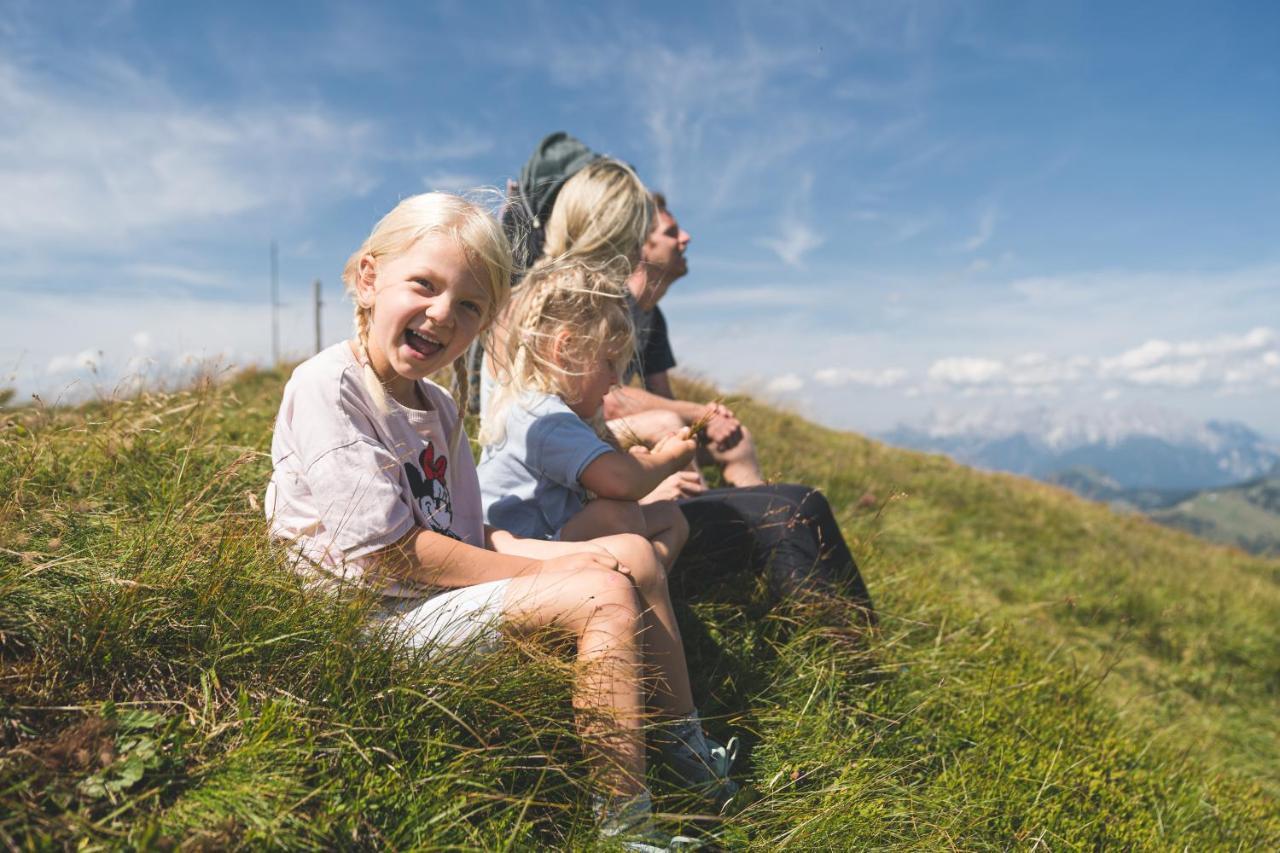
[(653, 347)]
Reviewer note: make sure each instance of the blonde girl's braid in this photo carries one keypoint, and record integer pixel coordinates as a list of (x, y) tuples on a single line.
[(461, 398), (371, 381)]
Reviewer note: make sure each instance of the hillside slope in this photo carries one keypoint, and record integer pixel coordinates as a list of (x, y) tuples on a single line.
[(1047, 671), (1246, 514)]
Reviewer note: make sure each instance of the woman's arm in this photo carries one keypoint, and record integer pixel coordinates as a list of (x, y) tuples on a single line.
[(433, 559)]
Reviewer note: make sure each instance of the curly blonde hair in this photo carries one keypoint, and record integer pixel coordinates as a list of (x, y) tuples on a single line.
[(563, 318), (477, 232)]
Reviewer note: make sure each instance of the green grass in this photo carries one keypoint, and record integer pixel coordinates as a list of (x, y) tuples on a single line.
[(1046, 672)]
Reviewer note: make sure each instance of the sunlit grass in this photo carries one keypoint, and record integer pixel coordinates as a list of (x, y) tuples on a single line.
[(1046, 672)]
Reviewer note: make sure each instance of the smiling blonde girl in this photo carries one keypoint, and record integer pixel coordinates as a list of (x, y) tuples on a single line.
[(374, 487)]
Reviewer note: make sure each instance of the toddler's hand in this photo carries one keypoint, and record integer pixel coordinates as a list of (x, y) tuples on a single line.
[(681, 484), (676, 449)]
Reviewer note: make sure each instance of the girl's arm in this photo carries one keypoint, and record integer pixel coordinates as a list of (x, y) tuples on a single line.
[(433, 559), (630, 476), (505, 542)]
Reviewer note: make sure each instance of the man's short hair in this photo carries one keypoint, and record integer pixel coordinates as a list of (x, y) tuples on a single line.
[(660, 202)]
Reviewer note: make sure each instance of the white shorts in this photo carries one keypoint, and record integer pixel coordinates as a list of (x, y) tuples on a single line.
[(467, 617)]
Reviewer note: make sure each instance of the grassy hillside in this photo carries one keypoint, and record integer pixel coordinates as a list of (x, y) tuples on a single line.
[(1247, 515), (1046, 672)]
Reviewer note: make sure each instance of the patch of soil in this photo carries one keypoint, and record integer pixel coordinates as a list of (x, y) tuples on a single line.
[(85, 747)]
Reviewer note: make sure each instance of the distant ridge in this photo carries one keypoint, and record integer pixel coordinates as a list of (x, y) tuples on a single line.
[(1135, 447)]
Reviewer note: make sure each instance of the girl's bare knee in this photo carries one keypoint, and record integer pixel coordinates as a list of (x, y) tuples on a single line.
[(638, 557)]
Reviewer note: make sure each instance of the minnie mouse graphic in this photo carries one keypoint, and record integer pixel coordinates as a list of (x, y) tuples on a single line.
[(431, 490)]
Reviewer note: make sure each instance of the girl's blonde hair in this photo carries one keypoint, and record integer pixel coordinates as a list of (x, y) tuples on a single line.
[(481, 239), (600, 220), (562, 319), (601, 217)]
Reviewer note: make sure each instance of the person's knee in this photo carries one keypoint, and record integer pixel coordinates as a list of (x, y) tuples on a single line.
[(638, 558), (611, 596), (814, 505), (667, 516)]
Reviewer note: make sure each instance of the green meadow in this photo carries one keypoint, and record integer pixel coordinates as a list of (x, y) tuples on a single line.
[(1046, 672)]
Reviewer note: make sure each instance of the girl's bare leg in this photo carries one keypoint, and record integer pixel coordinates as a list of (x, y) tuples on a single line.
[(664, 650), (667, 528), (601, 610), (604, 517), (661, 523)]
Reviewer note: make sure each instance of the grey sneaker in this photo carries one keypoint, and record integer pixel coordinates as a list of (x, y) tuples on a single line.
[(699, 764), (630, 826)]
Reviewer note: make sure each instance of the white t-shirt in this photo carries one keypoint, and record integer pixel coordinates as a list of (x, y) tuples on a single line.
[(349, 480)]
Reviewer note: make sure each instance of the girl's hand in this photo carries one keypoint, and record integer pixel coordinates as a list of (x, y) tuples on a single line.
[(540, 549), (676, 449), (584, 561), (681, 484)]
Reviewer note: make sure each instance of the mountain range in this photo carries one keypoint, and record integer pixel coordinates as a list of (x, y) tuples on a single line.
[(1136, 447), (1218, 479)]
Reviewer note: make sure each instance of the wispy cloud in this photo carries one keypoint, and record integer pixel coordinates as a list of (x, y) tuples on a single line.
[(787, 383), (985, 231), (1225, 362), (794, 241), (793, 237), (452, 182), (116, 154), (835, 377)]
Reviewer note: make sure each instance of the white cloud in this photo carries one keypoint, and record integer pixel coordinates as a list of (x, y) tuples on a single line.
[(159, 338), (986, 230), (115, 154), (1226, 360), (794, 242), (452, 182), (792, 238), (837, 376), (966, 371), (1140, 357), (784, 384), (84, 360), (1182, 375)]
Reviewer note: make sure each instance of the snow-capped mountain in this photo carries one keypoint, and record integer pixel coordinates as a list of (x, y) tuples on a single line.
[(1138, 447)]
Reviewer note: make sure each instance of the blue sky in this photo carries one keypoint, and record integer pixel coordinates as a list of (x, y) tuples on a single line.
[(895, 207)]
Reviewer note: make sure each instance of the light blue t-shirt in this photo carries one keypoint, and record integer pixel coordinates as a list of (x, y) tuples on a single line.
[(529, 482)]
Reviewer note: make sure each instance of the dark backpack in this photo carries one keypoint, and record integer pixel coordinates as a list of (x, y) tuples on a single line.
[(556, 159)]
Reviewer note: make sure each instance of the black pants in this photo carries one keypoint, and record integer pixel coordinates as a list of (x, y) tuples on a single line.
[(784, 529)]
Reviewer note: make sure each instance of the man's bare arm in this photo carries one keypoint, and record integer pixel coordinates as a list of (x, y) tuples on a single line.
[(624, 401)]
